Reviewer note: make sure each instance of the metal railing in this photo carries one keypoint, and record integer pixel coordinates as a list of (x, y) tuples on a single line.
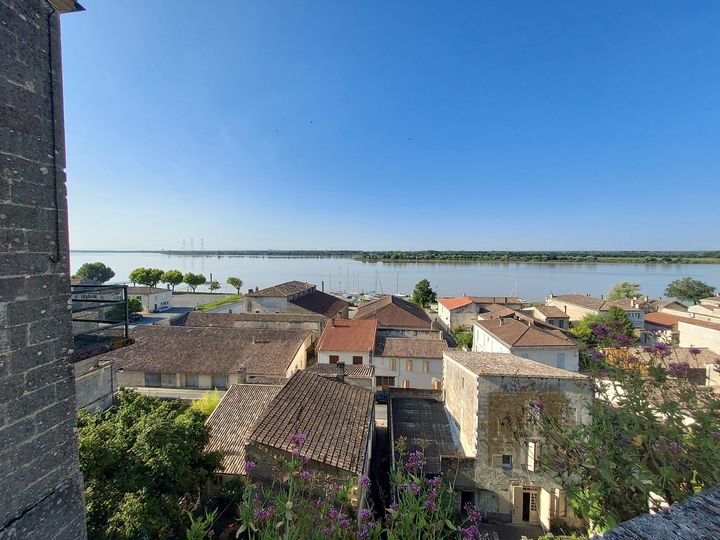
[(99, 318)]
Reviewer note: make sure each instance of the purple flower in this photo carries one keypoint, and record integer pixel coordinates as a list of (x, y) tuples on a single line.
[(470, 533), (365, 481), (275, 469), (430, 505), (432, 495), (435, 482), (679, 369), (394, 506), (304, 475), (621, 339), (538, 406), (413, 488), (473, 513), (600, 330), (263, 514), (249, 466), (365, 515), (320, 501), (344, 522), (298, 439), (416, 460), (333, 513), (598, 355)]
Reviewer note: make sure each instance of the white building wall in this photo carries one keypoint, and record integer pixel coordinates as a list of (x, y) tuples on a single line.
[(483, 341), (344, 356), (461, 403), (417, 378), (692, 335)]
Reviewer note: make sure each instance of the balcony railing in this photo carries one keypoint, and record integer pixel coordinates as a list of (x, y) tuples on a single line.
[(99, 319)]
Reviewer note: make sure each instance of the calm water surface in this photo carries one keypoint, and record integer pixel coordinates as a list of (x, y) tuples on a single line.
[(529, 281)]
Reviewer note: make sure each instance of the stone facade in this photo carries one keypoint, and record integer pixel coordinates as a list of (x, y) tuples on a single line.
[(41, 485)]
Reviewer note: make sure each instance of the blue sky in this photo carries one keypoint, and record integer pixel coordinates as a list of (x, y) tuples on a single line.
[(393, 125)]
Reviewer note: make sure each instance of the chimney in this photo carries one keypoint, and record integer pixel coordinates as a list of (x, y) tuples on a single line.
[(340, 374), (322, 285), (501, 320), (565, 306)]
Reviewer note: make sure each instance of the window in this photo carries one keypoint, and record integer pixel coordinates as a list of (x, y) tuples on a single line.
[(192, 380), (220, 382), (393, 364), (408, 365), (357, 359), (426, 366), (384, 382), (507, 461), (334, 358), (406, 383), (152, 379), (561, 360)]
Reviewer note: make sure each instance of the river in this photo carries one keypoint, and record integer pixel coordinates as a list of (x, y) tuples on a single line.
[(527, 280)]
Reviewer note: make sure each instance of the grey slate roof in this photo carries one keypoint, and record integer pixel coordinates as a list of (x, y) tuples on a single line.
[(697, 517), (487, 364)]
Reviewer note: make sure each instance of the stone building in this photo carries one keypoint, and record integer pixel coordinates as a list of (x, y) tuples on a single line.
[(463, 310), (41, 484), (296, 297), (486, 395), (347, 341), (338, 420), (409, 362), (577, 306), (391, 311)]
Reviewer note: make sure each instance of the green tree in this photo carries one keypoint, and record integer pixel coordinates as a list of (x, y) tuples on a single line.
[(423, 294), (207, 403), (689, 290), (96, 271), (235, 282), (625, 289), (583, 331), (650, 430), (144, 466), (213, 285), (137, 275), (117, 313), (618, 324), (463, 337), (172, 278), (193, 280)]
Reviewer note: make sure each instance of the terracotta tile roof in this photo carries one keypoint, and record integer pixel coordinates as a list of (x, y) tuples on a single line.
[(706, 324), (185, 349), (455, 303), (321, 303), (667, 320), (232, 420), (551, 311), (502, 300), (336, 418), (228, 320), (524, 333), (461, 301), (493, 311), (348, 335), (394, 312), (283, 290), (598, 304), (410, 347), (352, 371), (505, 364)]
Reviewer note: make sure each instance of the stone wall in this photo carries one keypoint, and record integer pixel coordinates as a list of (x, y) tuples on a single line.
[(41, 485)]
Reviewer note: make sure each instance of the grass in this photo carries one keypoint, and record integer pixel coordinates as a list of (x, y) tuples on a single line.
[(229, 299)]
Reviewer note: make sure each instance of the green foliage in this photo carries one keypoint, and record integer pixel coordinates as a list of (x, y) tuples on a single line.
[(149, 277), (200, 527), (302, 506), (172, 278), (619, 322), (235, 282), (582, 330), (227, 299), (96, 271), (207, 403), (213, 285), (193, 280), (463, 337), (651, 430), (423, 294), (144, 466), (117, 313), (625, 289), (689, 290)]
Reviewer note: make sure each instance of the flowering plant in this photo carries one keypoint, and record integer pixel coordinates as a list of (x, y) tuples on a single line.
[(653, 436)]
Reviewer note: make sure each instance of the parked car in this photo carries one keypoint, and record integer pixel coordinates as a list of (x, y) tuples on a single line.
[(135, 317)]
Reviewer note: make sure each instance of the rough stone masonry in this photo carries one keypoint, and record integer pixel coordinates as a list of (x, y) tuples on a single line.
[(41, 492)]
